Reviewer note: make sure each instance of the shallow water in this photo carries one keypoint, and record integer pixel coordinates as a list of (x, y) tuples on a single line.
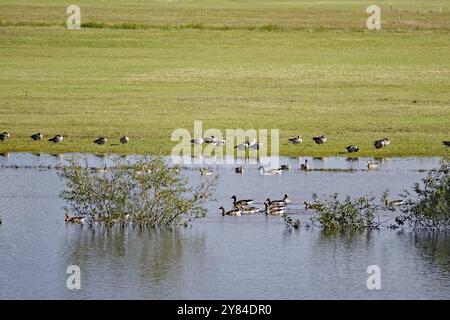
[(251, 257)]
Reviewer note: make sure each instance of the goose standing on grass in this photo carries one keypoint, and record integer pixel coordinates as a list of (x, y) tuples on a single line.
[(269, 172), (305, 166), (234, 212), (281, 202), (239, 169), (320, 139), (197, 141), (241, 203), (210, 139), (446, 143), (206, 171), (4, 136), (101, 140), (241, 146), (124, 140), (372, 165), (56, 139), (352, 148), (273, 210), (75, 219), (378, 144), (37, 136), (295, 140)]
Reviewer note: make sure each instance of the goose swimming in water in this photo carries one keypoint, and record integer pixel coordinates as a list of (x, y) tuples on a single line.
[(75, 219), (206, 172), (56, 139), (243, 202), (4, 136), (273, 210), (101, 140), (285, 167), (320, 139), (352, 148), (281, 202), (394, 203), (295, 140), (37, 136), (239, 169), (250, 210), (372, 165), (269, 172), (233, 212), (124, 140), (305, 166)]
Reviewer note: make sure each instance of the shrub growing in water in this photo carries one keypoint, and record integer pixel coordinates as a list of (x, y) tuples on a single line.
[(430, 206), (148, 193)]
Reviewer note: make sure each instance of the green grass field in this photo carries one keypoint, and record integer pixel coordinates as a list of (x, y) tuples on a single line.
[(145, 68)]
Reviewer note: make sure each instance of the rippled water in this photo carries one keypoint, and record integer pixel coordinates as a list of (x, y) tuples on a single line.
[(251, 257)]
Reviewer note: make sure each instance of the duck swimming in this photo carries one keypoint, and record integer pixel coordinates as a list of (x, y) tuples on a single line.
[(233, 212), (305, 166), (269, 172)]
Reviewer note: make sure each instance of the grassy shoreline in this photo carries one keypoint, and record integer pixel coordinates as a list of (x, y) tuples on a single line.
[(293, 68)]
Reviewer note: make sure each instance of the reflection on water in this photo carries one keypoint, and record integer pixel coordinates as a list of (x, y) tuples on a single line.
[(218, 257)]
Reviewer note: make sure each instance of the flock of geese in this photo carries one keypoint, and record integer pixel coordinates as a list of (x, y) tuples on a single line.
[(245, 206), (59, 138)]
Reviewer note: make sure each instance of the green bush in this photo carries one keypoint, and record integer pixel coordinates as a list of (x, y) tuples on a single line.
[(428, 205), (148, 193)]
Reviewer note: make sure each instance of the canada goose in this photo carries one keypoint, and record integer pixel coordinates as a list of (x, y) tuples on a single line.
[(446, 143), (394, 203), (210, 139), (101, 140), (255, 146), (56, 139), (37, 136), (100, 170), (249, 210), (320, 139), (269, 172), (276, 211), (220, 143), (372, 165), (294, 223), (283, 202), (242, 202), (285, 167), (241, 146), (233, 212), (295, 140), (305, 166), (124, 140), (206, 172), (75, 219), (239, 169), (352, 148), (4, 136), (197, 141), (251, 142), (378, 144)]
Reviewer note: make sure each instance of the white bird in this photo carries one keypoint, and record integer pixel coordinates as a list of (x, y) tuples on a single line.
[(372, 165), (269, 172)]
